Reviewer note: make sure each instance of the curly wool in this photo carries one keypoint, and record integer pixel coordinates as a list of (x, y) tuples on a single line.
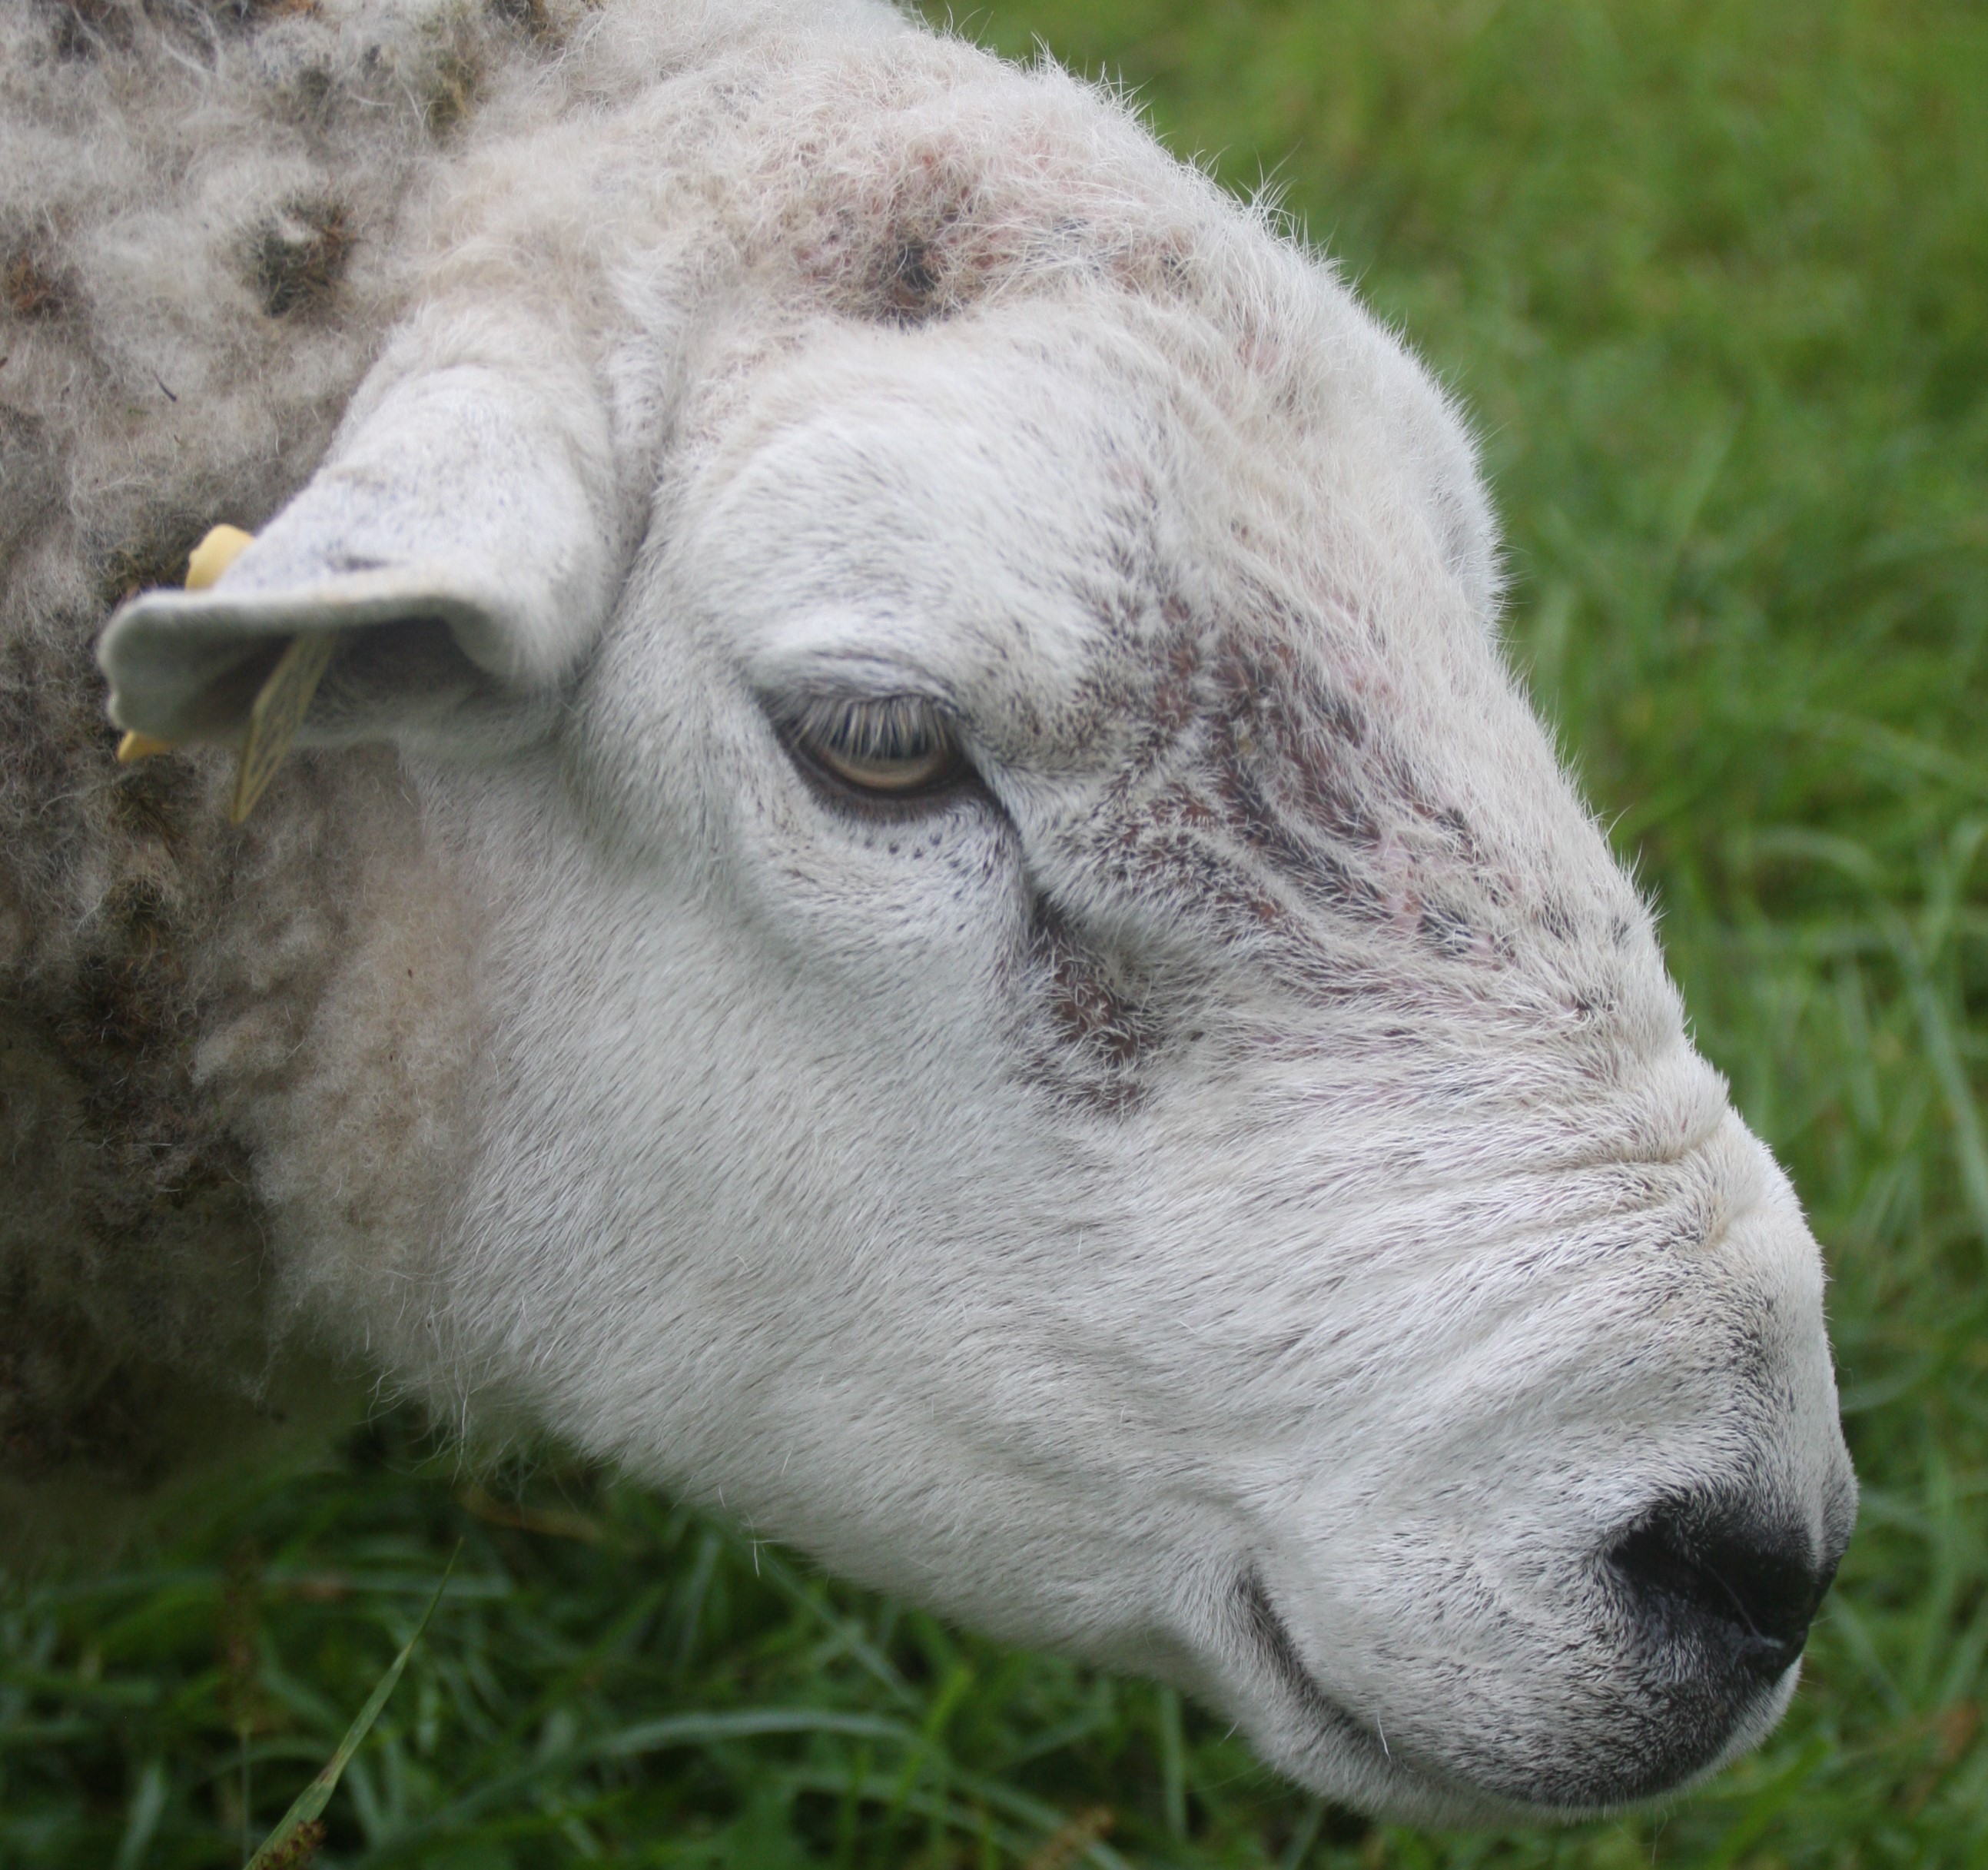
[(187, 299)]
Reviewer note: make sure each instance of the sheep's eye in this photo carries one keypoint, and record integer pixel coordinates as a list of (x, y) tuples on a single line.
[(895, 746)]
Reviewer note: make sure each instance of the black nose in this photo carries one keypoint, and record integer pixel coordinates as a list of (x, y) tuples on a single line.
[(1716, 1582)]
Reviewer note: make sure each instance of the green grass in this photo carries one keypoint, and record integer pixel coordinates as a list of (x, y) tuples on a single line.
[(1714, 278)]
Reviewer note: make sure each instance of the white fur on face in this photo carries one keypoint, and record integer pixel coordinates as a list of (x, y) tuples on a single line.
[(1226, 1190)]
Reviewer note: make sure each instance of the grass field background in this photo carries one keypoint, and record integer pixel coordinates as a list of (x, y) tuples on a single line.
[(1712, 276)]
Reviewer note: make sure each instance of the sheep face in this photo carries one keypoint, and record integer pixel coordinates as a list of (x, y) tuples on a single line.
[(1199, 1161), (1047, 1026)]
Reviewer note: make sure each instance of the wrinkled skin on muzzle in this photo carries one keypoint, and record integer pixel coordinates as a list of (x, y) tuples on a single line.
[(1220, 1184)]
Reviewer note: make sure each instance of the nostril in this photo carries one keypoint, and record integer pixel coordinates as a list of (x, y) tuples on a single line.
[(1706, 1578)]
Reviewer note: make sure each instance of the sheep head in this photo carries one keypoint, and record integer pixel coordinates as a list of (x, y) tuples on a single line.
[(1049, 1027)]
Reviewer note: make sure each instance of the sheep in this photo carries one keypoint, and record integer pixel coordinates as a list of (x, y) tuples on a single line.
[(887, 870)]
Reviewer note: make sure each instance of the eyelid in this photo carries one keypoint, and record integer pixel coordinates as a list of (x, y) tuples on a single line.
[(799, 665)]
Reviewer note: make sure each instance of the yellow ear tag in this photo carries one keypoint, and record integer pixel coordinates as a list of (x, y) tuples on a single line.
[(213, 556), (219, 550)]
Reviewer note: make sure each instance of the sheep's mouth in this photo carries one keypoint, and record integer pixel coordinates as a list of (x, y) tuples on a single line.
[(1271, 1641), (1415, 1788), (1275, 1653)]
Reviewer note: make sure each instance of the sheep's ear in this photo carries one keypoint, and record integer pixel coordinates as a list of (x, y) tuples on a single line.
[(438, 581)]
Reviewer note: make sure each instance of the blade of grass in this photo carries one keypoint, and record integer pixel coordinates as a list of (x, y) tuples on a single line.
[(1304, 1837), (1173, 1762), (315, 1796), (147, 1802)]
